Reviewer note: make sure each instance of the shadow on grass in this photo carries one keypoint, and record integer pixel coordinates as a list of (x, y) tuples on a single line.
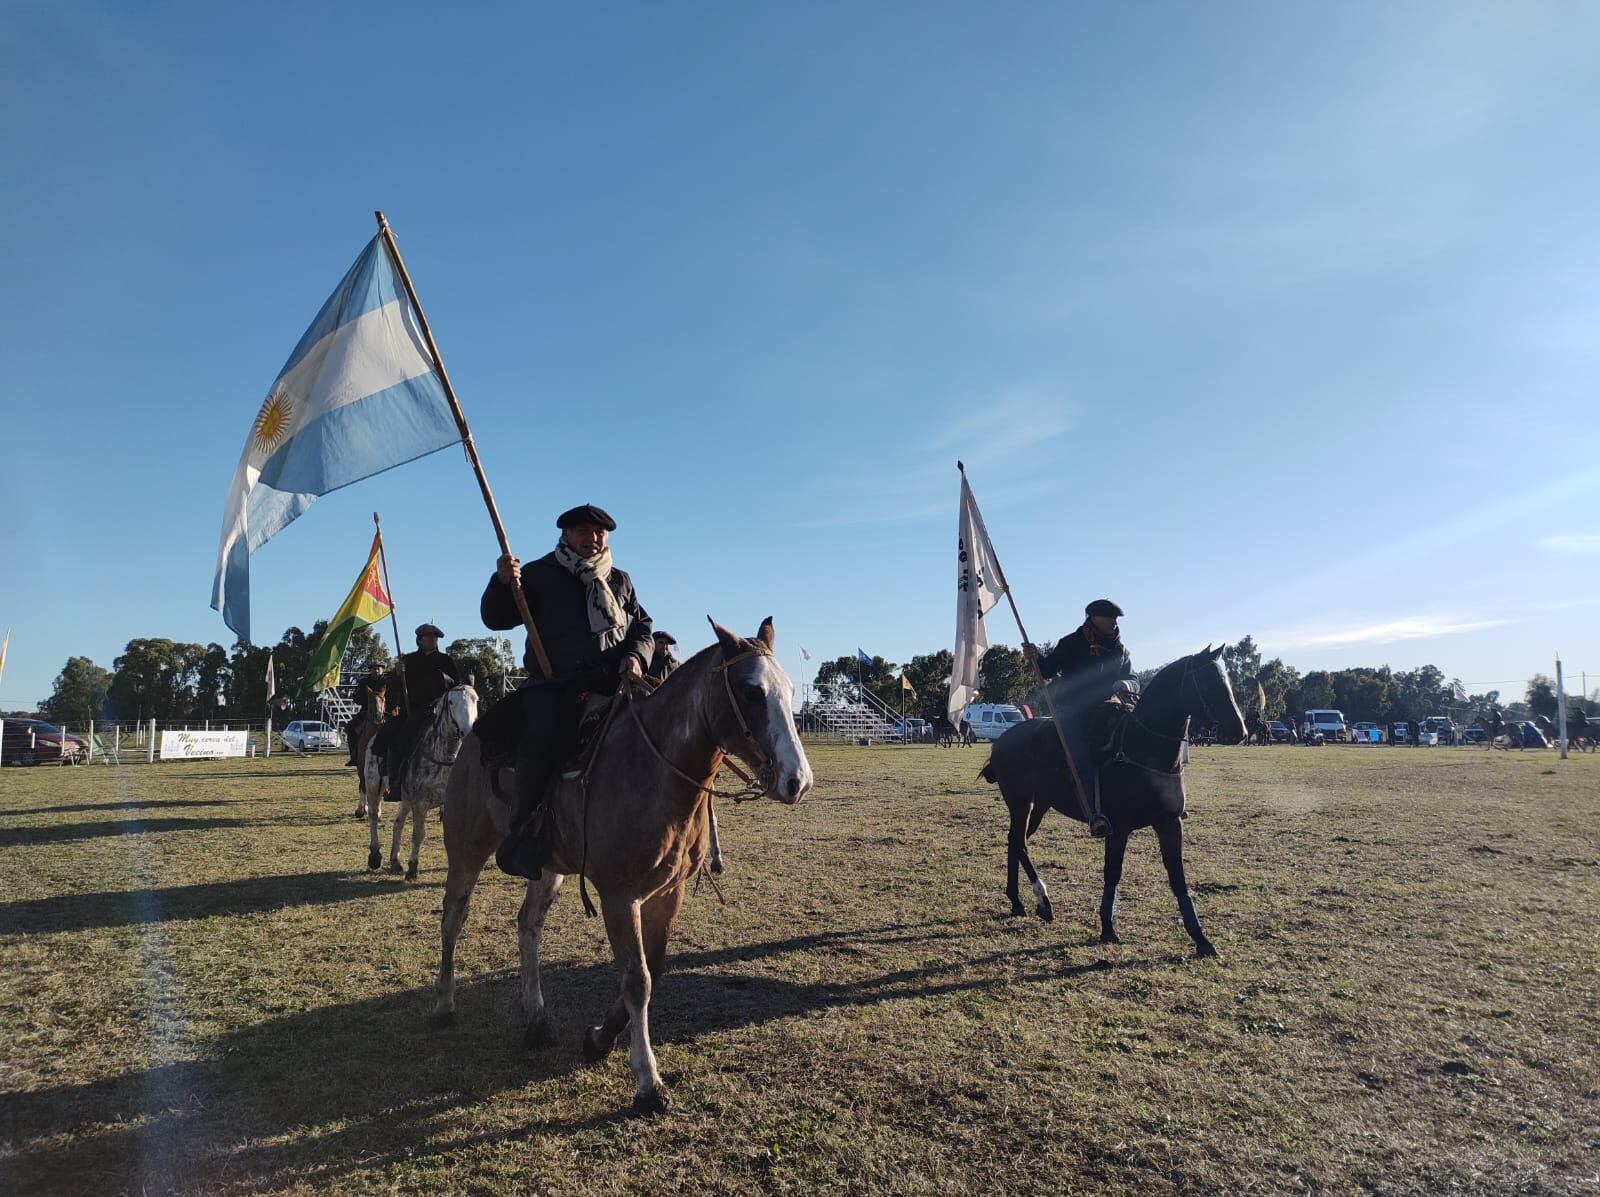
[(127, 908), (155, 804), (63, 833), (348, 1089)]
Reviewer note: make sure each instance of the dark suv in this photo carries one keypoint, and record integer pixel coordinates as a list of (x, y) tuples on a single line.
[(35, 742)]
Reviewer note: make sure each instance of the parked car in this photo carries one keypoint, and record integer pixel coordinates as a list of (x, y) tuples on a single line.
[(1427, 738), (1278, 730), (1364, 733), (35, 742), (1329, 723), (991, 720), (310, 735), (1443, 729)]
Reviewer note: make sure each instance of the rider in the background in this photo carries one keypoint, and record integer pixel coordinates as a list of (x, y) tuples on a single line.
[(369, 697), (662, 662), (1087, 665), (424, 676)]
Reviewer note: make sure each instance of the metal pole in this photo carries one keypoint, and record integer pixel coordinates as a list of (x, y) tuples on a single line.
[(1561, 710), (150, 757), (1044, 688), (534, 642)]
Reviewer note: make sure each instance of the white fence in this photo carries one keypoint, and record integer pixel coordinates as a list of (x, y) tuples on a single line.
[(29, 741)]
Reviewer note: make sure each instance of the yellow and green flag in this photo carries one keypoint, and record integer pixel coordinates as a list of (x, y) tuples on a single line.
[(905, 684), (367, 603)]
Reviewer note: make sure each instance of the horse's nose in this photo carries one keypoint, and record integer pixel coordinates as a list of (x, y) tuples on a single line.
[(792, 790)]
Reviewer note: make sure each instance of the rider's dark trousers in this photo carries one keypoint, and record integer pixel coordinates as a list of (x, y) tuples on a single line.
[(549, 737), (1076, 725), (400, 733)]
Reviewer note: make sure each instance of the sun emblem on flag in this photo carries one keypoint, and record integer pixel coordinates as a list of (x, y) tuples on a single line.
[(272, 421)]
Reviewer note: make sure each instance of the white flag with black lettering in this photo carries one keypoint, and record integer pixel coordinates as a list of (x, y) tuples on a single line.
[(979, 586)]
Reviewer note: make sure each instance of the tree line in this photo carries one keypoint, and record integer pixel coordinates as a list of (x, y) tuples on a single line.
[(177, 682), (1371, 694)]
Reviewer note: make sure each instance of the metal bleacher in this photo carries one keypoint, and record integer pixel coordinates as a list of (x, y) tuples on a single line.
[(853, 714)]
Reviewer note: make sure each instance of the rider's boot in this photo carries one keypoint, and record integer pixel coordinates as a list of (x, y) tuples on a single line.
[(523, 852)]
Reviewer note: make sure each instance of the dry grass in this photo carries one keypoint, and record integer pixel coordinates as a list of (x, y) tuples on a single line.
[(204, 991)]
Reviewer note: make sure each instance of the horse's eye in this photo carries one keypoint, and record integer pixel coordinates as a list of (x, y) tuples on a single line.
[(753, 694)]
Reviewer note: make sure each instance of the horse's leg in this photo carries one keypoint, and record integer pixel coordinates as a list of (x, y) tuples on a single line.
[(716, 845), (373, 792), (627, 947), (1170, 833), (1014, 850), (464, 869), (530, 926), (1116, 846), (419, 830), (1021, 828), (400, 809)]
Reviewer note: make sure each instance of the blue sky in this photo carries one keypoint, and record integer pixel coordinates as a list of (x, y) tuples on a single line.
[(1258, 318)]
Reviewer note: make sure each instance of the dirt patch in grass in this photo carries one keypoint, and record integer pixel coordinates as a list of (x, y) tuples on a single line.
[(205, 991)]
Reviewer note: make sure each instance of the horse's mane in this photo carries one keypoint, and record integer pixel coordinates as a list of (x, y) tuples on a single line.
[(701, 660)]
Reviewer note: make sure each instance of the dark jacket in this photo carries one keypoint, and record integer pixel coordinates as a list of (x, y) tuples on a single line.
[(1084, 677), (368, 688), (427, 675), (559, 604)]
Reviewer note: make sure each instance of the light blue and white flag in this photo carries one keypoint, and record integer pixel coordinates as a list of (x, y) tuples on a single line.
[(359, 395)]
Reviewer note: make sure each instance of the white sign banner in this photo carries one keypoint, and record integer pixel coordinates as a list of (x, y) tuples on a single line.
[(202, 745)]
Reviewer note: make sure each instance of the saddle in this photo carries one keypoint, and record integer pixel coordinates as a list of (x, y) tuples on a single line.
[(500, 728), (1105, 720)]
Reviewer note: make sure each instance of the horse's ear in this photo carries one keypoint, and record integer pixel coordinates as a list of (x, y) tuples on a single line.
[(1216, 653), (765, 634), (1207, 648), (731, 645)]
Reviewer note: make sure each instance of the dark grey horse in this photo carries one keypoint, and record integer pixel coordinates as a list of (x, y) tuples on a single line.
[(1141, 781)]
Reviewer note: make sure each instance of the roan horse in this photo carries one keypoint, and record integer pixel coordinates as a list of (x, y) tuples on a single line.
[(1141, 782), (422, 776), (369, 789), (635, 825)]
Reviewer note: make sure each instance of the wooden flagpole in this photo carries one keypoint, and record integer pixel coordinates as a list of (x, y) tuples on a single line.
[(534, 641), (1044, 687), (394, 622)]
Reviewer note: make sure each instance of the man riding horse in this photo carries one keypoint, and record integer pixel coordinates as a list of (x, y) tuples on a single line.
[(595, 634), (662, 663), (1087, 665), (369, 698), (424, 676)]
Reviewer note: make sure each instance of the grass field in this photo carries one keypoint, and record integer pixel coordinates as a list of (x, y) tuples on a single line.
[(204, 991)]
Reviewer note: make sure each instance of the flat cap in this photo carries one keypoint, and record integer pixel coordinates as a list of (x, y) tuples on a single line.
[(588, 513), (1103, 607), (664, 637), (429, 629)]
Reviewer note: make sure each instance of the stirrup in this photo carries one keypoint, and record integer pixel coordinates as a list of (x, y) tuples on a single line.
[(1099, 827)]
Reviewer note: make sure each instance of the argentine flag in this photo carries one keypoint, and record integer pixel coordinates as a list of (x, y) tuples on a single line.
[(359, 395)]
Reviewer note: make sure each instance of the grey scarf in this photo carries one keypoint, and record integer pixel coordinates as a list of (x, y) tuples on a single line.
[(606, 618)]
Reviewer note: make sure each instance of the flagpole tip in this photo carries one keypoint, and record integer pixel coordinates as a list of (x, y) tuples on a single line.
[(961, 467)]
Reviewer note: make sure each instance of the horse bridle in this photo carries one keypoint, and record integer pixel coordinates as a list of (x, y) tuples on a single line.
[(1189, 672), (755, 787), (438, 719)]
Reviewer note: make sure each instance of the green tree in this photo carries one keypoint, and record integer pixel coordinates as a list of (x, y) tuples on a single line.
[(80, 693), (930, 678), (156, 678), (481, 657), (1280, 682), (880, 677), (1316, 692), (1541, 696), (1243, 661), (1004, 676)]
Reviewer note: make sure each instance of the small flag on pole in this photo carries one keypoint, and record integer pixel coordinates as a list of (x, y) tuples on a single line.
[(359, 395), (905, 684), (863, 658), (804, 656), (978, 589), (272, 681), (366, 603), (4, 644)]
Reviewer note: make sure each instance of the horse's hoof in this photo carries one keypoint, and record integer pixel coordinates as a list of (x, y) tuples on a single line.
[(442, 1018), (1203, 948), (360, 815), (716, 866), (652, 1102), (537, 1034), (394, 867), (1109, 936), (1017, 908), (1045, 911), (374, 860), (594, 1050), (411, 873)]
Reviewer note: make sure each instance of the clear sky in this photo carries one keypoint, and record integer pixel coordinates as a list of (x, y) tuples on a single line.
[(1257, 318)]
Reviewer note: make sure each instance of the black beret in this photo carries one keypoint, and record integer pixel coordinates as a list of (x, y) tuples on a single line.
[(428, 629), (588, 513), (1103, 607), (664, 637)]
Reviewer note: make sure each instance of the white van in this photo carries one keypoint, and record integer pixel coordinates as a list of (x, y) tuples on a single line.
[(991, 720), (1329, 723)]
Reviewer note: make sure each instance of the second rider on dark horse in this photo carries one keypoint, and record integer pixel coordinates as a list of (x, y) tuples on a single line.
[(1086, 666)]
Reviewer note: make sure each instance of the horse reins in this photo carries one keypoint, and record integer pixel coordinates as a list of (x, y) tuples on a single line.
[(1120, 735)]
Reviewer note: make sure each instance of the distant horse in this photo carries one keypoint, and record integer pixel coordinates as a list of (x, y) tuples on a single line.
[(1141, 782), (422, 776), (635, 825), (369, 792), (946, 734), (1579, 734)]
